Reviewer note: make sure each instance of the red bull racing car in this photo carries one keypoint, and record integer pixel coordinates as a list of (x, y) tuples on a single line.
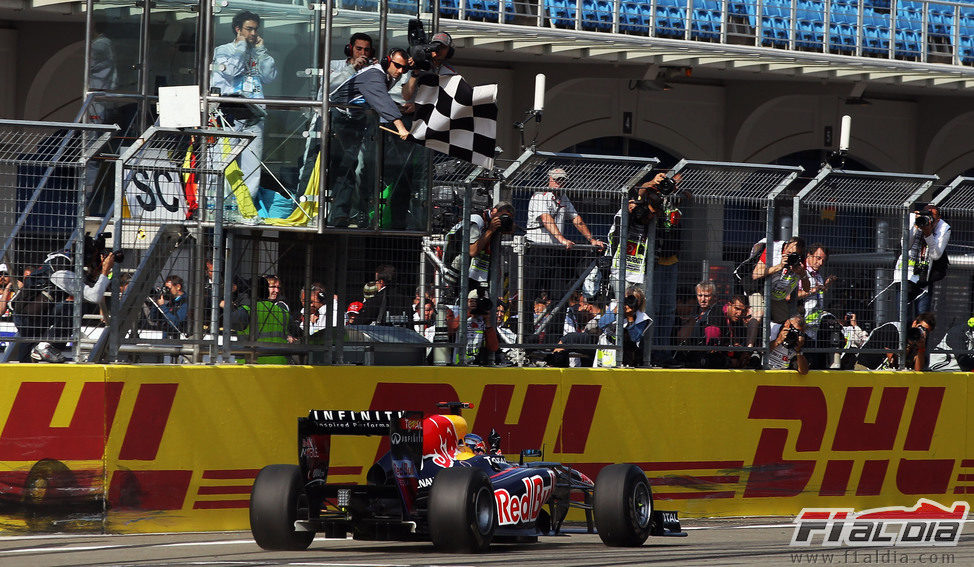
[(433, 486)]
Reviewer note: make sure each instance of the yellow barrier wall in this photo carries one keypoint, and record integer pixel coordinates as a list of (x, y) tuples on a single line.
[(177, 448)]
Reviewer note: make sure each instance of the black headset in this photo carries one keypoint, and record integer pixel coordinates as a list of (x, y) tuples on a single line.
[(356, 37)]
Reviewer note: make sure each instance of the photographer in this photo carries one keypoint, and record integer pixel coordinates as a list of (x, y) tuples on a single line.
[(787, 346), (172, 307), (44, 308), (644, 206), (482, 341), (635, 325), (813, 299), (787, 274), (929, 236), (484, 228)]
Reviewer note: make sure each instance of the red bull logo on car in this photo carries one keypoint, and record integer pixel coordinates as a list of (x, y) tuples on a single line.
[(524, 508)]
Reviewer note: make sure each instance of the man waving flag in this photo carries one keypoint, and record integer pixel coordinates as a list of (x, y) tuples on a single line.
[(456, 119)]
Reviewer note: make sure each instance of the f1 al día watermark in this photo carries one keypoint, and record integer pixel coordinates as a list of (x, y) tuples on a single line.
[(928, 523)]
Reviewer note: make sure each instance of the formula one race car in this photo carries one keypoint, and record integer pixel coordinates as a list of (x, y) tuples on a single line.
[(433, 487)]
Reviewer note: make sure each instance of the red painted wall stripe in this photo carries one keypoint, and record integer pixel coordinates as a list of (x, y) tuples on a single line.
[(148, 422), (692, 495), (220, 504), (149, 490), (224, 490), (230, 473)]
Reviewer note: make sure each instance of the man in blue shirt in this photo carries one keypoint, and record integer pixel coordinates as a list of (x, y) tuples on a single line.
[(241, 68)]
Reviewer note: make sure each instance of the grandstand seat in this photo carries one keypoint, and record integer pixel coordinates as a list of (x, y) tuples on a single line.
[(875, 32), (966, 39), (631, 18), (810, 24), (561, 14), (706, 20), (844, 25), (776, 23), (671, 17), (596, 15), (449, 8), (909, 36)]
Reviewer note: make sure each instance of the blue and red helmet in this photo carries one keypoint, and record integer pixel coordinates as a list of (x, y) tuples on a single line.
[(476, 443)]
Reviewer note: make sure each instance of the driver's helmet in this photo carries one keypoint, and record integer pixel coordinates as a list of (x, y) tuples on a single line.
[(475, 443)]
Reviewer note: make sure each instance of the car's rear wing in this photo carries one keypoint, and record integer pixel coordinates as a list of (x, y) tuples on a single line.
[(405, 431)]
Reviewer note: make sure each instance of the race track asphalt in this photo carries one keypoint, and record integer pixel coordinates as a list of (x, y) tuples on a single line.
[(761, 542)]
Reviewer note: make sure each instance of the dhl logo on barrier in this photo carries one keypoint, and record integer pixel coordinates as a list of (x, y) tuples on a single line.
[(777, 442)]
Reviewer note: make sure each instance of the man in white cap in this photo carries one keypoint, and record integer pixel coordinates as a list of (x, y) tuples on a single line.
[(547, 213)]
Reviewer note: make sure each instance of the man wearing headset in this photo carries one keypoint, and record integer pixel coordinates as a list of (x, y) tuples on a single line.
[(367, 88), (441, 45), (358, 54)]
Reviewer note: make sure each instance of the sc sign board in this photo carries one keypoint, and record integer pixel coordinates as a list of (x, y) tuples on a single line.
[(156, 195)]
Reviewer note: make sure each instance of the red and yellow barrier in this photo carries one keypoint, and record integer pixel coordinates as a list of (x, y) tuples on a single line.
[(177, 448)]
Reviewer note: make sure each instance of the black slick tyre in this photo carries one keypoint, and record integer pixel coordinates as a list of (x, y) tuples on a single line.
[(277, 496), (623, 506), (462, 511)]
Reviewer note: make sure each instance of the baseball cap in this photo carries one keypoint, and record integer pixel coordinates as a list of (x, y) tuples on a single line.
[(3, 269), (442, 38), (558, 174), (473, 294)]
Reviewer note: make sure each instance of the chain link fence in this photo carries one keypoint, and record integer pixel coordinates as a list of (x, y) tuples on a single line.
[(856, 229), (46, 266), (708, 301)]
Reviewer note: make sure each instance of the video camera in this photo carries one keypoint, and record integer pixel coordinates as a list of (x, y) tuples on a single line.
[(447, 205), (420, 50), (923, 218)]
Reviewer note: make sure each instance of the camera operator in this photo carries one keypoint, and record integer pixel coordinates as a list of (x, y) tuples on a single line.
[(787, 346), (427, 58), (929, 236), (484, 228), (44, 308), (173, 307)]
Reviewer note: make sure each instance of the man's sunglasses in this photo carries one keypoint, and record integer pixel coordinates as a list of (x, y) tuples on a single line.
[(403, 66)]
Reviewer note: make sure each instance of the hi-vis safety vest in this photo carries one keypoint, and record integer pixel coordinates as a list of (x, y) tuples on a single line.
[(271, 328), (637, 243), (475, 340)]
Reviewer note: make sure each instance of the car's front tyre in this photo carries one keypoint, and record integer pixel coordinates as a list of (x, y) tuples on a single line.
[(623, 506), (462, 511)]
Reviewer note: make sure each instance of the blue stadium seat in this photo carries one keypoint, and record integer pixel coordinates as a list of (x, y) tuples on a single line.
[(596, 15), (966, 35), (631, 18), (844, 25), (875, 31), (671, 16), (776, 23), (706, 20), (810, 23), (561, 13), (449, 8), (909, 36)]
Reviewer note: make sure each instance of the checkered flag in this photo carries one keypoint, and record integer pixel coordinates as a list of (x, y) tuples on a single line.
[(456, 119)]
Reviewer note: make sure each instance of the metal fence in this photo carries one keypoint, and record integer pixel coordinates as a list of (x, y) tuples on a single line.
[(953, 340), (863, 223), (44, 173), (708, 303)]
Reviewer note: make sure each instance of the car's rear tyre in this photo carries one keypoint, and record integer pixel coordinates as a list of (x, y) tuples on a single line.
[(623, 506), (462, 511), (275, 501)]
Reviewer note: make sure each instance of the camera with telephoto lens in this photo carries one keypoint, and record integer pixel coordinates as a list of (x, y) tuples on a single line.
[(95, 250), (791, 338), (923, 218), (793, 260), (507, 223), (666, 186), (631, 302), (163, 292)]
